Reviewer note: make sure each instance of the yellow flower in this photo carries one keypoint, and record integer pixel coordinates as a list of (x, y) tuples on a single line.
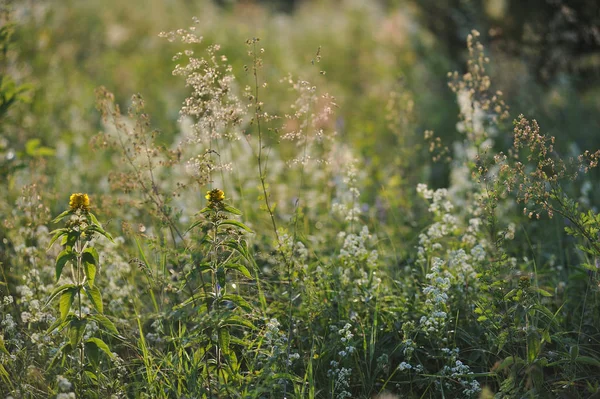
[(79, 201), (215, 196)]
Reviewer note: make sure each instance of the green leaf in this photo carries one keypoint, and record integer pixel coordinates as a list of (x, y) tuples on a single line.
[(235, 320), (89, 259), (574, 352), (76, 330), (99, 230), (543, 292), (240, 268), (224, 340), (93, 377), (2, 347), (190, 300), (533, 347), (237, 224), (233, 210), (221, 276), (57, 291), (91, 251), (91, 352), (93, 293), (101, 345), (106, 323), (238, 300), (587, 360), (65, 302), (60, 355), (65, 256), (57, 234), (94, 220), (59, 324), (240, 247), (5, 376), (509, 361), (61, 216), (196, 223)]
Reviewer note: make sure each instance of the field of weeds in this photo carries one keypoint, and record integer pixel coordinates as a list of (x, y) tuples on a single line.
[(318, 199)]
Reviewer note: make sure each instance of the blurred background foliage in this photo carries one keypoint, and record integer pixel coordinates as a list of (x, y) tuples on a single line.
[(545, 59)]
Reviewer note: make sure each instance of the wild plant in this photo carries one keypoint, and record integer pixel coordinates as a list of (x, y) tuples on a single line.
[(82, 260)]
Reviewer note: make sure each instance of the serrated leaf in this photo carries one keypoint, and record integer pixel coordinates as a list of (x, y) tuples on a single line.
[(61, 216), (63, 257), (59, 324), (57, 291), (91, 352), (224, 340), (106, 323), (234, 320), (533, 347), (543, 292), (93, 293), (101, 345), (94, 220), (240, 268), (232, 209), (240, 248), (237, 224), (57, 234), (89, 260), (76, 330), (93, 377), (238, 300), (65, 302), (221, 276), (91, 251), (99, 230)]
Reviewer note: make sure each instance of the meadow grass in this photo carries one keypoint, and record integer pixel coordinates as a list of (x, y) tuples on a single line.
[(275, 238)]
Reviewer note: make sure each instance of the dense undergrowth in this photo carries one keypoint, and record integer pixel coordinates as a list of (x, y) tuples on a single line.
[(273, 239)]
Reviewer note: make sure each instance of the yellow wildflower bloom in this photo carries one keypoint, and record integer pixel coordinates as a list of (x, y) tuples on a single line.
[(79, 201), (215, 196)]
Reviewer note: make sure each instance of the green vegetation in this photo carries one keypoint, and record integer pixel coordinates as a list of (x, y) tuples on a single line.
[(301, 205)]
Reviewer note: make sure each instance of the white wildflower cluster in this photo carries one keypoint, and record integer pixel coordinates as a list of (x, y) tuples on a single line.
[(354, 251), (275, 347), (458, 372), (8, 327), (346, 338), (436, 299), (341, 375), (408, 348), (358, 269), (156, 336), (28, 298), (472, 232), (91, 328), (347, 203), (460, 265), (64, 385), (295, 252)]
